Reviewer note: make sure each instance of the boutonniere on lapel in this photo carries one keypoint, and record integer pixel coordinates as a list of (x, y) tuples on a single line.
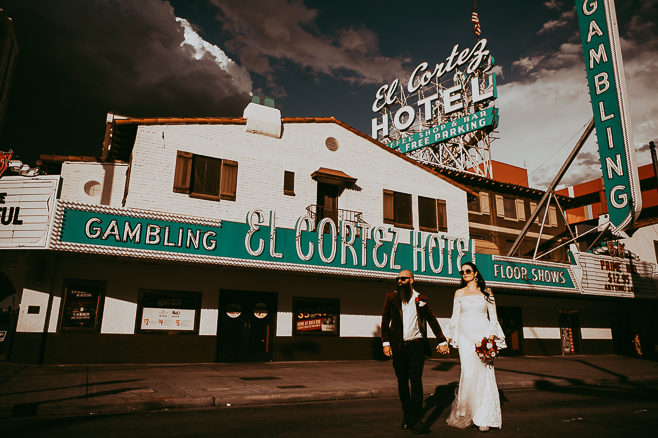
[(420, 302)]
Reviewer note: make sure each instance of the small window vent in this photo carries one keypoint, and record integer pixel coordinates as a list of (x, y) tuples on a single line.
[(92, 188), (331, 143)]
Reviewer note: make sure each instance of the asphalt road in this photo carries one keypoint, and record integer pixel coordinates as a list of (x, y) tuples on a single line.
[(548, 411)]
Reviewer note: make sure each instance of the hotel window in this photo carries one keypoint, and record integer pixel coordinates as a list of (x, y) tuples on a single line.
[(520, 209), (533, 206), (552, 217), (205, 177), (168, 311), (506, 207), (397, 209), (289, 183), (474, 206), (484, 203), (432, 214)]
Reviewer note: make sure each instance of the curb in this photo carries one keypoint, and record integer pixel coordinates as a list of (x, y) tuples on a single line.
[(31, 410), (295, 398), (187, 402), (528, 384)]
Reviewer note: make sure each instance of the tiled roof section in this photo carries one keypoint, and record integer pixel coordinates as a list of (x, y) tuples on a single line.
[(181, 121), (125, 130), (472, 179), (52, 164)]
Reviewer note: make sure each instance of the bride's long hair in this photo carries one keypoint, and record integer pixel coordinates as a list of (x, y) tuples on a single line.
[(479, 281)]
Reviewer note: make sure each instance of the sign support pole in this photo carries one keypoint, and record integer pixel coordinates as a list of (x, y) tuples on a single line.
[(551, 188)]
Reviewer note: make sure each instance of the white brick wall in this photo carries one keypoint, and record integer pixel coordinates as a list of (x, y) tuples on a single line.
[(262, 161), (105, 182)]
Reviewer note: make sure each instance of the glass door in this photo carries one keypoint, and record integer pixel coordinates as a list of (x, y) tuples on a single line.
[(246, 326), (512, 324)]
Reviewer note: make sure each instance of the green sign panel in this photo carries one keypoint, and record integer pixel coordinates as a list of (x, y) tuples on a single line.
[(440, 133), (607, 88), (371, 250), (526, 274), (345, 246)]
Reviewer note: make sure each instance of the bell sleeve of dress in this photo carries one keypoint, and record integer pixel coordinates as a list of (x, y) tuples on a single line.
[(494, 327), (452, 328)]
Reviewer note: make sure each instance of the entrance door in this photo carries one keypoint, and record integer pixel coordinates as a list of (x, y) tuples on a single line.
[(622, 336), (570, 332), (246, 326), (510, 320), (328, 201)]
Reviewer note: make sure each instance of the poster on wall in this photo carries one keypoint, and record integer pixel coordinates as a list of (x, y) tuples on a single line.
[(82, 306), (316, 316), (566, 334), (316, 322), (168, 319), (168, 311)]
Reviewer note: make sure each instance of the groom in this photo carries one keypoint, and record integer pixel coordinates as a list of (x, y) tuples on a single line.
[(404, 337)]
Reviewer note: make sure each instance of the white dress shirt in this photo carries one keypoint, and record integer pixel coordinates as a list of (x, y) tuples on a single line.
[(410, 329)]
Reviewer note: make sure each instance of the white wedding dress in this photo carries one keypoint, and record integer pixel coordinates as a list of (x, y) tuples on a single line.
[(476, 399)]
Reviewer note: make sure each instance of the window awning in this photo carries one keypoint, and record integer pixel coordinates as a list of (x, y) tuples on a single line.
[(335, 177)]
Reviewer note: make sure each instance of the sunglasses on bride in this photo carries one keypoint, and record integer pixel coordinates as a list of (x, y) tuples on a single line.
[(466, 271)]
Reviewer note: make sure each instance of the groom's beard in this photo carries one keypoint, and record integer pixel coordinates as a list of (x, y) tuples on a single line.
[(405, 291)]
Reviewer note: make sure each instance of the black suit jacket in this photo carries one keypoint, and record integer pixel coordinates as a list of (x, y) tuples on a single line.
[(392, 326)]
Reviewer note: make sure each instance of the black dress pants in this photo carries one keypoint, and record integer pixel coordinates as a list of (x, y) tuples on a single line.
[(408, 364)]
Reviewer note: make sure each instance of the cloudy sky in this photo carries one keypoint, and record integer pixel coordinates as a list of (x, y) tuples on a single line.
[(79, 59)]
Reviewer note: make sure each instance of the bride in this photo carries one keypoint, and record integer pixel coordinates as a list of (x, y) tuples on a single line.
[(474, 318)]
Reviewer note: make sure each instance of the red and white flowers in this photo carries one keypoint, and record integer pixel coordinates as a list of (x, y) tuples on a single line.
[(487, 350)]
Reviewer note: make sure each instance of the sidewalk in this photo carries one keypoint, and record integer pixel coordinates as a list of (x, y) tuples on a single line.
[(33, 390)]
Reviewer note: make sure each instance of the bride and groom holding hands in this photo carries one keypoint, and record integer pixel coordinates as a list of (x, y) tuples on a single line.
[(473, 329)]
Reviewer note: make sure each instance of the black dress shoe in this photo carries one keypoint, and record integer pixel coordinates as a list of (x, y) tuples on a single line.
[(405, 426), (420, 428)]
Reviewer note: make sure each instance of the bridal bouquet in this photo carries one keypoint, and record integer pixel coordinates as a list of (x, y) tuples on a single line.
[(486, 351)]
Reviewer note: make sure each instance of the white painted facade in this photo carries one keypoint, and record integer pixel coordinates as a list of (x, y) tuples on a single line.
[(94, 183), (262, 161), (263, 154), (146, 184)]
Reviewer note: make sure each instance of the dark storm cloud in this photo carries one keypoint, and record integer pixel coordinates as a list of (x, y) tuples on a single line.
[(580, 174), (263, 33), (588, 159), (80, 59), (587, 166)]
